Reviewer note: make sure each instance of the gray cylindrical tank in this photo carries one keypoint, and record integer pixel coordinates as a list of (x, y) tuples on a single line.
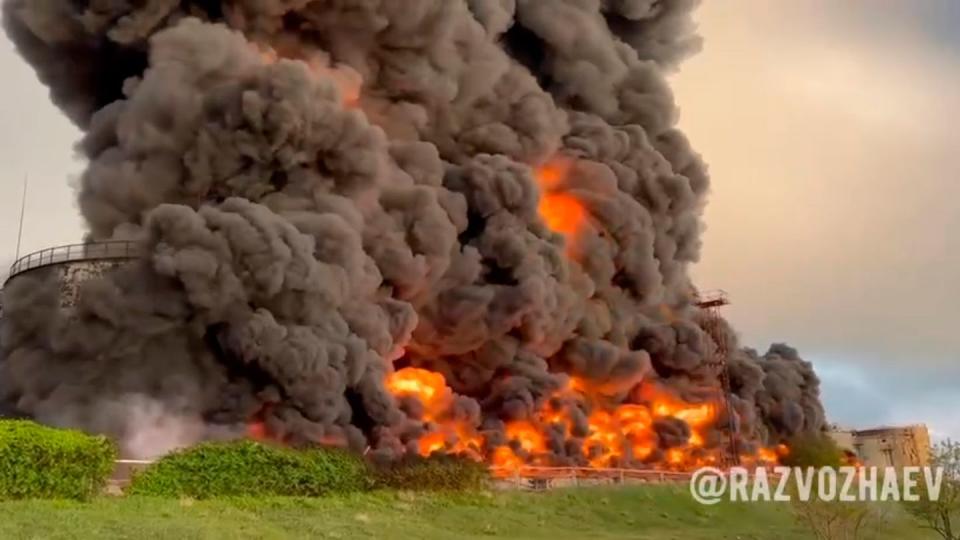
[(74, 264)]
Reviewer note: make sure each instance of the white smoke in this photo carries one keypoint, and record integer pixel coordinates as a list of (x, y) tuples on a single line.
[(153, 431)]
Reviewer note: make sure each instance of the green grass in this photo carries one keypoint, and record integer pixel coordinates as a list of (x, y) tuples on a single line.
[(654, 513)]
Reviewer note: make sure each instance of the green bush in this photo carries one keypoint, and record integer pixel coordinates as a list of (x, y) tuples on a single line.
[(813, 450), (247, 468), (434, 473), (39, 462)]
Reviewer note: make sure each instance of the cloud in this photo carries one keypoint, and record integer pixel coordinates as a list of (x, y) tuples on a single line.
[(862, 395), (829, 130)]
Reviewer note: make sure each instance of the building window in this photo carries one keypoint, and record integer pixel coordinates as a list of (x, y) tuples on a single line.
[(888, 453), (858, 448)]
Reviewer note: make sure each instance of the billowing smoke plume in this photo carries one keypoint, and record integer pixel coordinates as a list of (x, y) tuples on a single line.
[(377, 223)]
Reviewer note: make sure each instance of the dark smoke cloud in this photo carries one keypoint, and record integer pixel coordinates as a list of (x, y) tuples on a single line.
[(327, 191)]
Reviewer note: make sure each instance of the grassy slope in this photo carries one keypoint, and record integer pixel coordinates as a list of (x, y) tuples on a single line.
[(655, 513)]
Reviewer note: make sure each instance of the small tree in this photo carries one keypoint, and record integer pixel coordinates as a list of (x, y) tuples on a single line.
[(838, 520), (942, 514), (828, 520), (813, 450)]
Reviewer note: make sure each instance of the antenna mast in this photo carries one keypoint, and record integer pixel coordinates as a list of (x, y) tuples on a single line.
[(23, 206)]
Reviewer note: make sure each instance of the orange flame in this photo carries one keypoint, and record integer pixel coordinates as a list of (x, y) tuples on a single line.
[(561, 211), (427, 386), (617, 435), (528, 436), (430, 389), (628, 427), (431, 442), (767, 455), (504, 458), (851, 459)]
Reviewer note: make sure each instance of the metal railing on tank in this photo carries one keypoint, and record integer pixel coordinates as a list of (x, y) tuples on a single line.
[(112, 250)]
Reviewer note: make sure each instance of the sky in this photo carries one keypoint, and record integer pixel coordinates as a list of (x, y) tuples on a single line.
[(828, 130), (35, 140)]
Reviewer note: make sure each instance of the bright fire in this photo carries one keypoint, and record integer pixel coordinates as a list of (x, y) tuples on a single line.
[(616, 436), (608, 434), (562, 212), (430, 389)]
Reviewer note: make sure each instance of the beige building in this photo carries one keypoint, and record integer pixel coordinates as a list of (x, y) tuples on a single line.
[(886, 446)]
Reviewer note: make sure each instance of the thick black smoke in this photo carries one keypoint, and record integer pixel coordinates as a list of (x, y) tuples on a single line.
[(328, 190)]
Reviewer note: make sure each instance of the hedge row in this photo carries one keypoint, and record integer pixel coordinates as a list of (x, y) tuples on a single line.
[(38, 462), (42, 462), (249, 468), (252, 469)]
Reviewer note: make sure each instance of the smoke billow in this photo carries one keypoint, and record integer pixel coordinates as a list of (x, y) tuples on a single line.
[(460, 225)]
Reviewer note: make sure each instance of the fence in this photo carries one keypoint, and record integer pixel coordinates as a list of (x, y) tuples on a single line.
[(74, 253), (539, 478), (527, 477)]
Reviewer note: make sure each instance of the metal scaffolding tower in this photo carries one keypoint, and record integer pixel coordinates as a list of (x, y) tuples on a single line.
[(711, 302)]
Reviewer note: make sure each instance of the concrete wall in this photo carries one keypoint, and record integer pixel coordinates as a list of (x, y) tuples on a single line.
[(887, 446), (843, 438)]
